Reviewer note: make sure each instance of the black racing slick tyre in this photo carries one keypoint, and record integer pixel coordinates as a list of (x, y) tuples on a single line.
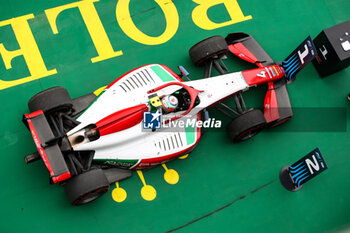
[(207, 49), (246, 126), (86, 187), (49, 100)]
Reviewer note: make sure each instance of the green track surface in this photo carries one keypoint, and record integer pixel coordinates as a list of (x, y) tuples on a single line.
[(223, 187)]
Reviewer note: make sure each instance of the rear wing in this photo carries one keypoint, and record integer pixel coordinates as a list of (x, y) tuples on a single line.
[(48, 149)]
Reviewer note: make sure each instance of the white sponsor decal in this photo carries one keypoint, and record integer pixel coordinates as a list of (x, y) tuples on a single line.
[(313, 164), (210, 123), (303, 54)]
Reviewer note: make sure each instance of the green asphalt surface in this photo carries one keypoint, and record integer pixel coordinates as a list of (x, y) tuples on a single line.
[(223, 187)]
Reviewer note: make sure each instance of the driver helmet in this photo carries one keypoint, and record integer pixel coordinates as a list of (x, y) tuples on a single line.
[(169, 103)]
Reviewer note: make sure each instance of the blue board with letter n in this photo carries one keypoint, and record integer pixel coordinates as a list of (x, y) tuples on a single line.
[(307, 167)]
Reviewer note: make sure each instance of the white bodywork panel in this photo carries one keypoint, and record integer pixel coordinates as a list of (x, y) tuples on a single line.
[(130, 90)]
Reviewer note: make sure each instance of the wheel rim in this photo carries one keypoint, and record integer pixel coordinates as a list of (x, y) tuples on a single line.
[(200, 62), (91, 196), (281, 122), (248, 134)]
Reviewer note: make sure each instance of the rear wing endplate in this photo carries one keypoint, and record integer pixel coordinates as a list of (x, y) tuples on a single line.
[(49, 152)]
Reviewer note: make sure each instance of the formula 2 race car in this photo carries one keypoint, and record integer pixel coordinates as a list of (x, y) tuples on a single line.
[(90, 142)]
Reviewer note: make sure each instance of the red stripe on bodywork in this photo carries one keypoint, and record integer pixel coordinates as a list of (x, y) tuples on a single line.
[(144, 163), (121, 120), (34, 114)]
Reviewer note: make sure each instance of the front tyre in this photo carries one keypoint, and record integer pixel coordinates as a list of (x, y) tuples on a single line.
[(246, 126), (86, 187), (208, 49)]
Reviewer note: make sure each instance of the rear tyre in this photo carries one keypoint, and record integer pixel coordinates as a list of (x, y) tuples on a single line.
[(207, 49), (50, 100), (246, 126), (86, 187)]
